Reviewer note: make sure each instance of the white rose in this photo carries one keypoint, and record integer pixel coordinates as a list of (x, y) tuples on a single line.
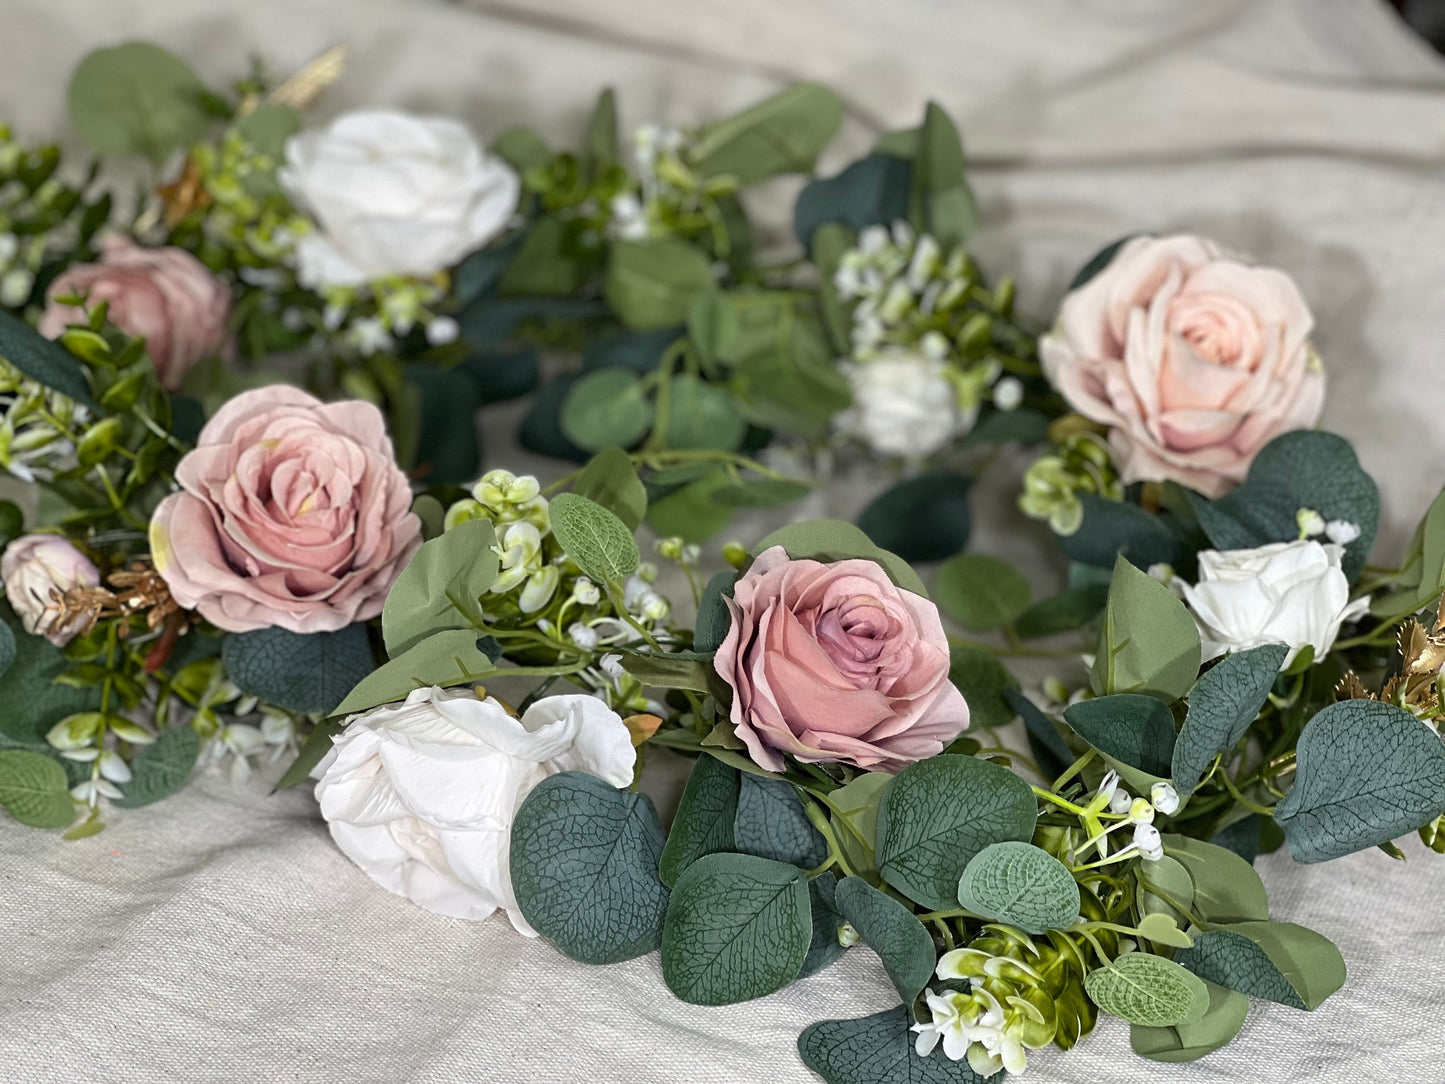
[(1291, 593), (35, 568), (903, 405), (394, 194), (421, 795)]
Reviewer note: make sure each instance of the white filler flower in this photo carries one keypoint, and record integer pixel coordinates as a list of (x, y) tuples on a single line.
[(903, 405), (394, 194), (1291, 593), (421, 794)]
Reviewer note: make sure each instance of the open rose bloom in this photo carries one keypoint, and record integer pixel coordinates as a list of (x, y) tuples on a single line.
[(833, 662), (292, 513), (1194, 360)]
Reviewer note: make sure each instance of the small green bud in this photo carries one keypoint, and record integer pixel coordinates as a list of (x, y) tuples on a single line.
[(735, 554)]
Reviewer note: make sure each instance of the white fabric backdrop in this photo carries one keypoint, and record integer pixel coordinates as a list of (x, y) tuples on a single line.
[(219, 937)]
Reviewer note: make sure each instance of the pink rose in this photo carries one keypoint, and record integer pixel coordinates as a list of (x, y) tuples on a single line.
[(293, 513), (1194, 360), (37, 568), (164, 295), (833, 662)]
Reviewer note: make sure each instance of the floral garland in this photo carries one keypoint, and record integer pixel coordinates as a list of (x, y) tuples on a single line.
[(225, 566)]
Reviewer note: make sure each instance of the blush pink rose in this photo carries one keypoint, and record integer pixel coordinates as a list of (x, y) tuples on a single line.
[(164, 295), (833, 662), (1194, 360), (293, 513)]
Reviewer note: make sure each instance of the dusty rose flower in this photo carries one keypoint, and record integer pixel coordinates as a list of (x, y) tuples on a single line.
[(1194, 360), (164, 294), (293, 512), (833, 662), (37, 566)]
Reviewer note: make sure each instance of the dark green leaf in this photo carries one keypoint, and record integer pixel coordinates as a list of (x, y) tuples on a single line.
[(704, 821), (34, 789), (1099, 261), (925, 518), (941, 812), (892, 931), (318, 744), (762, 493), (873, 190), (162, 767), (691, 513), (1132, 729), (1368, 772), (738, 927), (1049, 748), (42, 360), (1222, 705), (1276, 961), (584, 860), (602, 130), (946, 206), (1119, 528), (307, 673), (771, 823), (714, 326), (651, 284), (877, 1049), (824, 949), (701, 415), (985, 683), (713, 618), (1069, 609)]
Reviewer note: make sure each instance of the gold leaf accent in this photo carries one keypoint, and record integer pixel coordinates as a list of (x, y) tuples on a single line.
[(1352, 688), (642, 727)]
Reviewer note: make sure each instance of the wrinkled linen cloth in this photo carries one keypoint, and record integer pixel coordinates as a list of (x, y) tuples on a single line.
[(220, 937)]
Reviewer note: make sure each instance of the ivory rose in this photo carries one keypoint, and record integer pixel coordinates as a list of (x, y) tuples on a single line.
[(37, 566), (394, 194), (421, 795), (292, 513), (833, 662), (164, 295), (1193, 359), (1292, 593)]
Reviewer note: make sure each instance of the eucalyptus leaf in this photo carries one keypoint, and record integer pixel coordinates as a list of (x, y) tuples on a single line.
[(318, 743), (441, 587), (1220, 1023), (137, 98), (1367, 772), (606, 408), (981, 592), (985, 684), (1020, 885), (830, 540), (1072, 608), (162, 767), (941, 812), (704, 821), (1149, 643), (594, 538), (610, 480), (1133, 729), (1276, 961), (925, 518), (1111, 529), (771, 822), (825, 948), (34, 789), (783, 134), (714, 326), (1146, 989), (691, 513), (42, 360), (892, 931), (1223, 703), (701, 415), (877, 1049), (872, 190), (453, 657), (713, 617), (738, 927), (855, 819), (652, 284), (1049, 748), (309, 672), (1226, 887), (583, 861)]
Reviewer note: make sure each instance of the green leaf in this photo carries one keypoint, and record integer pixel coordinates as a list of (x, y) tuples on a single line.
[(772, 823), (704, 821), (602, 130), (651, 284), (584, 859), (1049, 748), (701, 415), (1146, 989), (268, 127), (162, 767), (939, 814), (595, 538), (892, 931), (34, 701), (714, 326), (34, 790), (1276, 961), (985, 683), (830, 540), (873, 190), (610, 480), (522, 149), (1149, 643), (42, 360), (672, 670), (542, 265), (824, 948), (981, 592), (606, 408), (1068, 610), (691, 513), (1021, 885), (786, 376), (8, 648), (1226, 887), (877, 1049), (926, 518), (1222, 705), (441, 587), (137, 98), (446, 658), (1302, 469), (830, 241), (1113, 529), (762, 493), (1368, 772), (1132, 729), (1190, 1042), (855, 819), (311, 672), (738, 927), (783, 134), (1161, 928), (318, 744), (946, 206)]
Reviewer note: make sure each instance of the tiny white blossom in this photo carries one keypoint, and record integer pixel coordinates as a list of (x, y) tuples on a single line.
[(369, 336), (612, 666), (1164, 798), (1341, 531), (872, 239), (586, 592), (442, 330), (1008, 393), (113, 767), (1141, 812), (1121, 802), (582, 635), (15, 287), (1149, 842), (1109, 786)]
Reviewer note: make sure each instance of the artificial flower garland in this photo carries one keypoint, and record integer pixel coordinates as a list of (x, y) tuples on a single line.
[(226, 567)]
